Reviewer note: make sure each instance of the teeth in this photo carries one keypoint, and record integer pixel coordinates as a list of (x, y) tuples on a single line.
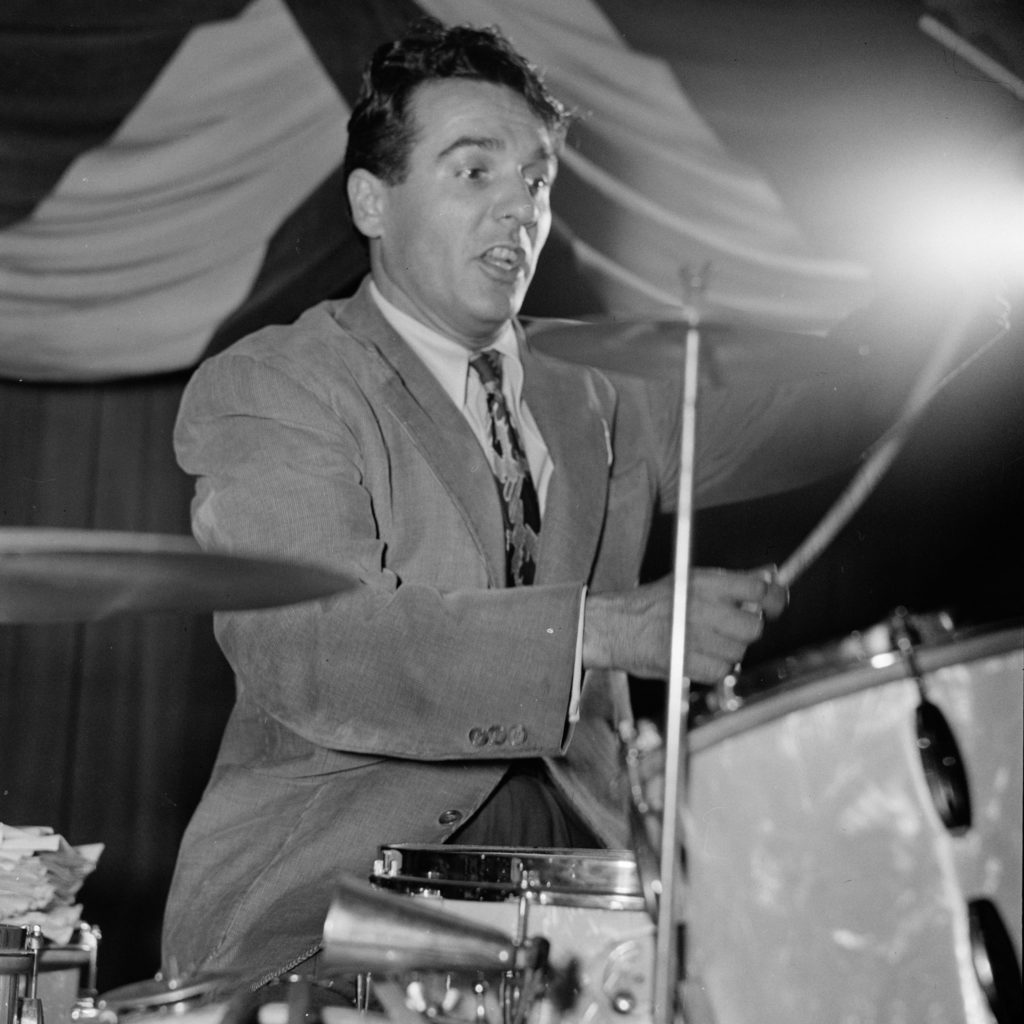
[(503, 254)]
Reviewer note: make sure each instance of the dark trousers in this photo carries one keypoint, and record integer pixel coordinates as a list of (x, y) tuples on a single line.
[(526, 810)]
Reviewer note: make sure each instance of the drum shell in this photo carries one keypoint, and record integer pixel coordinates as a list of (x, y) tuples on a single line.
[(61, 972), (607, 937), (823, 885)]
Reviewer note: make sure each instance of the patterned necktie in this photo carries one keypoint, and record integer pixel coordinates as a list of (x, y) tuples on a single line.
[(520, 506)]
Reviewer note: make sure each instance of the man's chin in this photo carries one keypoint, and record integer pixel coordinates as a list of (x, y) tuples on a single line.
[(493, 314)]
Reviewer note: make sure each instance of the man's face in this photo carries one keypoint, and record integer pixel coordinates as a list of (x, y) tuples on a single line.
[(456, 243)]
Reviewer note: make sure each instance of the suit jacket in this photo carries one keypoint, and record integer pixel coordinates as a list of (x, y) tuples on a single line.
[(389, 712)]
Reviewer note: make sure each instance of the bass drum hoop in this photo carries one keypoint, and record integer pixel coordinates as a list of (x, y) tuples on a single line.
[(824, 682)]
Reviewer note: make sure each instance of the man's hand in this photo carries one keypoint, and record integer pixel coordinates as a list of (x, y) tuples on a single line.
[(632, 630)]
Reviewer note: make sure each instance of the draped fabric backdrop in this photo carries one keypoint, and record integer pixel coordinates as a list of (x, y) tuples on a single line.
[(170, 180)]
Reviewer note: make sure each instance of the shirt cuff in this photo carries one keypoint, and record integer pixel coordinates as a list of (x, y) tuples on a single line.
[(577, 666)]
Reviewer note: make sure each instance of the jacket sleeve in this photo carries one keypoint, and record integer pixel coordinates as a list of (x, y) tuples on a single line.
[(399, 664)]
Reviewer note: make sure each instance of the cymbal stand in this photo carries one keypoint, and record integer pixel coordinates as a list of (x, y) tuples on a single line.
[(666, 966)]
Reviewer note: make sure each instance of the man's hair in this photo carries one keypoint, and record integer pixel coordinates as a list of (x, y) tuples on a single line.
[(382, 128)]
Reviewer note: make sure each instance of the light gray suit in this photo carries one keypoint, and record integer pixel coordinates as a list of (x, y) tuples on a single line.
[(389, 712)]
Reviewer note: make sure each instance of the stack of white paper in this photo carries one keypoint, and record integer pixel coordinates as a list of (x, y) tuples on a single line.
[(40, 875)]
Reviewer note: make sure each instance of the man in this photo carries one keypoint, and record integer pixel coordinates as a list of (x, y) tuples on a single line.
[(495, 517)]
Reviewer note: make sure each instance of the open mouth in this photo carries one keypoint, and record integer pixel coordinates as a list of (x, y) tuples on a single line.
[(506, 258)]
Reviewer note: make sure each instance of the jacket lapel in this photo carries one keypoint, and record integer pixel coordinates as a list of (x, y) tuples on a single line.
[(573, 414), (435, 427)]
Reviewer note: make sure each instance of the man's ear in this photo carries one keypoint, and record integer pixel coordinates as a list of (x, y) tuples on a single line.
[(366, 197)]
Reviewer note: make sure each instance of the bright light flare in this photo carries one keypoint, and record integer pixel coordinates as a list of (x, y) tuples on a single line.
[(968, 231)]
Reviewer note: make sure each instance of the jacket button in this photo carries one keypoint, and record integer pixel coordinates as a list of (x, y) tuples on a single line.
[(517, 735), (449, 817), (478, 737), (497, 734)]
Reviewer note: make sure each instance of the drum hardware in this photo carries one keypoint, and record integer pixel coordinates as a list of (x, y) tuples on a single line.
[(725, 696), (82, 953), (296, 999), (13, 966), (396, 1004), (520, 1000), (364, 989), (940, 756), (577, 917), (599, 879), (383, 936), (30, 1006), (667, 973), (517, 999), (16, 962), (379, 932), (995, 962), (644, 823)]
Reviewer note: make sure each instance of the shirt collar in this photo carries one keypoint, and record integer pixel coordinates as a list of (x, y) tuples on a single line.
[(446, 359)]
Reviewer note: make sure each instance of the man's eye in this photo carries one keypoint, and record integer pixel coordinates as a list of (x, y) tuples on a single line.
[(472, 173), (536, 185)]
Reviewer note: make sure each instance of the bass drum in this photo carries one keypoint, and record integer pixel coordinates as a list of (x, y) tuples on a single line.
[(826, 882)]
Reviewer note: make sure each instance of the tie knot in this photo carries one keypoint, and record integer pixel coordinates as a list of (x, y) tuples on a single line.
[(488, 367)]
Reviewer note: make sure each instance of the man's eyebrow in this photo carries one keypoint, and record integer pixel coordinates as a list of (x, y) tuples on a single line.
[(490, 142), (471, 142)]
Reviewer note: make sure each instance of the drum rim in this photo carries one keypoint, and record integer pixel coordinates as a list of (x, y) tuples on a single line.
[(826, 683), (619, 881)]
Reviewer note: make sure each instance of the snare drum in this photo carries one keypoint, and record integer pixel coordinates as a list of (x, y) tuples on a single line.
[(824, 883), (587, 904)]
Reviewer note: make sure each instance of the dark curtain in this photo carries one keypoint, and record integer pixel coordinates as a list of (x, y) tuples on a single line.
[(109, 729)]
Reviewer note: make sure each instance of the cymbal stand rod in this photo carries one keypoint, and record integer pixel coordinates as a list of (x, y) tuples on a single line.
[(667, 945)]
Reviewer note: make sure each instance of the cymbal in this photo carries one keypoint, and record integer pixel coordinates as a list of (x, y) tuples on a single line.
[(776, 411), (58, 575), (735, 355), (158, 992)]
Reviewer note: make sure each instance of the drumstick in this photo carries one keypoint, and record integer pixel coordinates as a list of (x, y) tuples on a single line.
[(882, 455)]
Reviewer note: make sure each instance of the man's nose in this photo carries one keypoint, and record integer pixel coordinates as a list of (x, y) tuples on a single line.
[(517, 202)]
